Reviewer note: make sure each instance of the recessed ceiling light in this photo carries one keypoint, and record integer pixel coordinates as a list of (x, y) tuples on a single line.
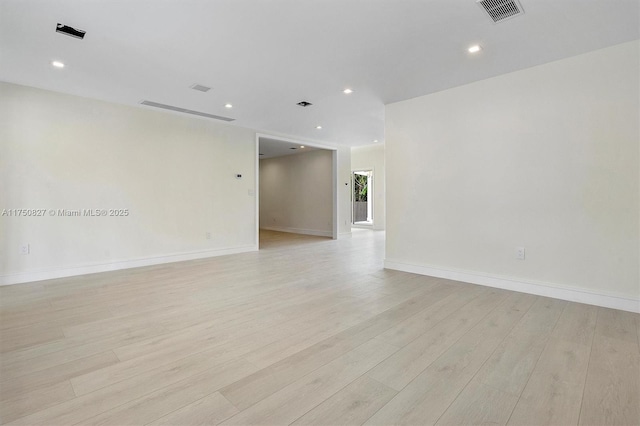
[(301, 146), (228, 106), (475, 48), (57, 64), (347, 91), (318, 127), (375, 141)]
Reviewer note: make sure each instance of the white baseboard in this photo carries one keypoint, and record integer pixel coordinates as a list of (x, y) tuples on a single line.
[(303, 231), (27, 277), (344, 235), (369, 226), (588, 297)]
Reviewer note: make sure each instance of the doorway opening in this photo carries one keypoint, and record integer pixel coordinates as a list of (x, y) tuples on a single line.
[(296, 191), (362, 198)]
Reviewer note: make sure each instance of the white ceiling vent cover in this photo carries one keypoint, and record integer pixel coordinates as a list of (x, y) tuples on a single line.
[(200, 87), (186, 111), (501, 10)]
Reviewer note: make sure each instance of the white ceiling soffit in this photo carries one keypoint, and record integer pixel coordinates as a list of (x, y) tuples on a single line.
[(263, 57)]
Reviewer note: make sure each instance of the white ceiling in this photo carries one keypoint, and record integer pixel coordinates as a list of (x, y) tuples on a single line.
[(271, 148), (264, 56)]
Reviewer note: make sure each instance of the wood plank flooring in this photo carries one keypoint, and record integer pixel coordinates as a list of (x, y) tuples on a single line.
[(308, 331)]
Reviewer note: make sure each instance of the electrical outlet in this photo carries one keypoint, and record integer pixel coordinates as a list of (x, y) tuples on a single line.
[(520, 253), (24, 249), (207, 235)]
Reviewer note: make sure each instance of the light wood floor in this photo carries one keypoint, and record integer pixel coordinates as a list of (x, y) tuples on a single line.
[(308, 331)]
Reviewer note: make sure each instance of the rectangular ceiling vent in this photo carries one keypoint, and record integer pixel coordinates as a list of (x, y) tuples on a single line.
[(70, 31), (501, 10), (200, 88), (186, 111)]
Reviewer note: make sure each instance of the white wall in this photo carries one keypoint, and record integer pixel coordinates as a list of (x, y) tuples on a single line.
[(371, 157), (343, 188), (545, 158), (296, 193), (175, 174)]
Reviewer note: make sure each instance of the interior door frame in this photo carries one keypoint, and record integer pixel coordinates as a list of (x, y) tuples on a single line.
[(370, 196), (334, 179)]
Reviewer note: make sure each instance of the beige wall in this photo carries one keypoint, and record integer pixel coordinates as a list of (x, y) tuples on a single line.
[(175, 175), (296, 193), (371, 157), (545, 158)]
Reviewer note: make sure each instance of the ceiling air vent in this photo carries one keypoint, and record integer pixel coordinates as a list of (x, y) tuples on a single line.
[(501, 10), (304, 104), (200, 88), (186, 111), (70, 31)]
